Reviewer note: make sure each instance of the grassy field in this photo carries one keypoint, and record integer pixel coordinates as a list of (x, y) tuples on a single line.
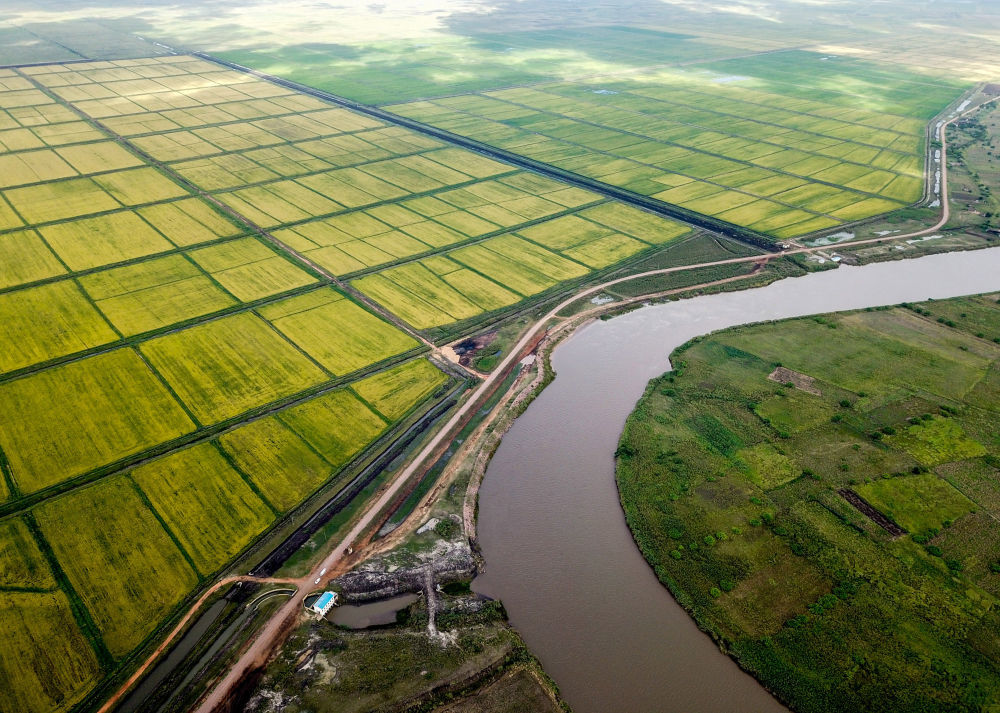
[(796, 500)]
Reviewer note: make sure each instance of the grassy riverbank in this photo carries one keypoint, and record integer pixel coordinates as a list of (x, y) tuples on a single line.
[(822, 494)]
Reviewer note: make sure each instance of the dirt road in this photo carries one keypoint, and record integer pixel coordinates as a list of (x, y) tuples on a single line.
[(280, 623)]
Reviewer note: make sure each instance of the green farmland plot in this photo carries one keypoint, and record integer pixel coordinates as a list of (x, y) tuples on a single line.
[(394, 391), (26, 259), (357, 425), (48, 321), (278, 462), (684, 136), (69, 419), (124, 566), (157, 293), (47, 664), (503, 270), (206, 504), (225, 367), (339, 334), (741, 475)]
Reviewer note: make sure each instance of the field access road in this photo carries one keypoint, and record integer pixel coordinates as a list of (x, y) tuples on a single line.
[(270, 636)]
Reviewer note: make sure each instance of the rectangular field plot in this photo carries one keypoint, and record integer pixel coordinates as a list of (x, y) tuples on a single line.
[(138, 186), (50, 202), (67, 420), (22, 564), (26, 259), (395, 391), (502, 270), (103, 240), (157, 293), (47, 663), (283, 467), (338, 333), (22, 169), (337, 425), (99, 157), (126, 569), (223, 368), (249, 269), (206, 504), (49, 321), (189, 222)]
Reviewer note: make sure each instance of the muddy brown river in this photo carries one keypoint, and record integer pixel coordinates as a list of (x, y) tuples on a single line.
[(558, 552)]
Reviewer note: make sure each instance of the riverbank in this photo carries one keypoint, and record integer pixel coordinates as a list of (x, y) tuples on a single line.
[(550, 489), (829, 515)]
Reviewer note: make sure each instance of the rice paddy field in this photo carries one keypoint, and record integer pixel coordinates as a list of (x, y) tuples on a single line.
[(213, 290), (784, 144)]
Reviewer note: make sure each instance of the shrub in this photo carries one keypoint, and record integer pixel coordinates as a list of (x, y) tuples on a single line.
[(446, 528), (715, 592)]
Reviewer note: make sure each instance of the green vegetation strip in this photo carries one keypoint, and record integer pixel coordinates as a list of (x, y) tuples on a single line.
[(822, 495)]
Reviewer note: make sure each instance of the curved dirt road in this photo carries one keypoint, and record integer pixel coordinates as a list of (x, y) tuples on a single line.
[(271, 634)]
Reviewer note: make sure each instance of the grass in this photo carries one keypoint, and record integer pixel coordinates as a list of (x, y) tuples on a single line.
[(49, 321), (917, 502), (339, 334), (205, 503), (734, 484), (395, 391), (125, 568), (91, 412), (226, 367)]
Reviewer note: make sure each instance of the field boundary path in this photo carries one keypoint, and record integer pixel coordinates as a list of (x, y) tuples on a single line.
[(271, 635)]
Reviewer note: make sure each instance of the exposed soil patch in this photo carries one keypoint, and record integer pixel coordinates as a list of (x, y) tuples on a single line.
[(871, 512), (470, 348), (800, 381)]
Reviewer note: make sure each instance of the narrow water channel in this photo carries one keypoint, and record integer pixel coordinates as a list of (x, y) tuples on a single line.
[(557, 550)]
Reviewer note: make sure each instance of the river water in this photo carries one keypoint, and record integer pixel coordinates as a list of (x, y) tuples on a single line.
[(557, 549)]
